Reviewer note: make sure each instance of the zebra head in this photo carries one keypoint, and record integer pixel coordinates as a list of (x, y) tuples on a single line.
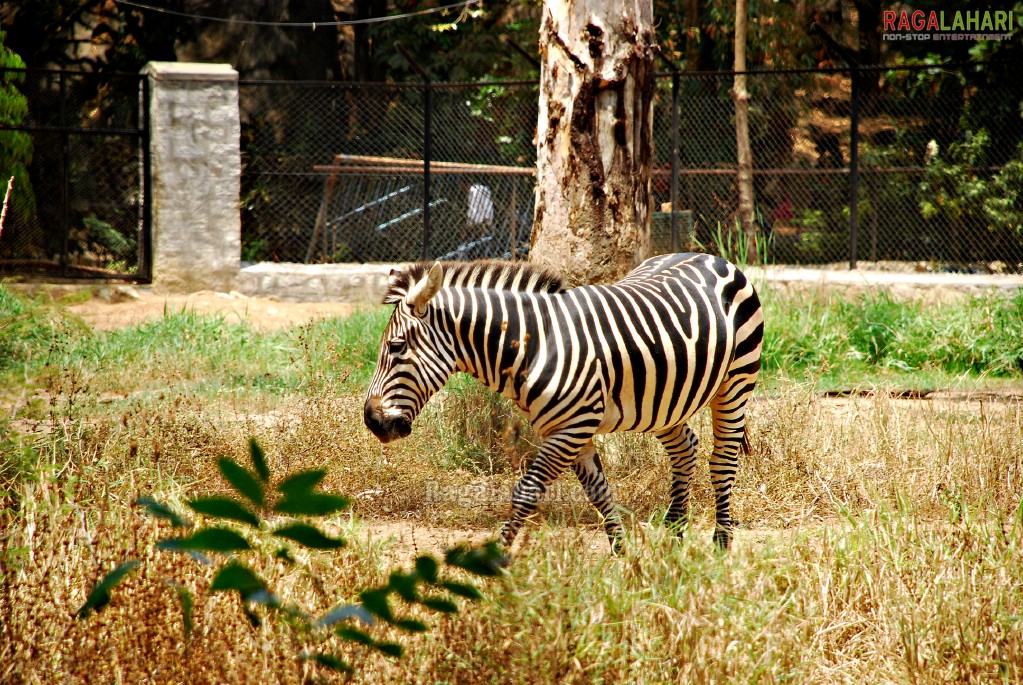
[(414, 360)]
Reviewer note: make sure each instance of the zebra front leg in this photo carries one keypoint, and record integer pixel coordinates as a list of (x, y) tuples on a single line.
[(588, 469), (680, 442), (556, 454)]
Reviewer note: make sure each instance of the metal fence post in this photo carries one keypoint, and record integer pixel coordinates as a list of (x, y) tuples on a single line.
[(854, 162), (675, 82), (146, 236), (427, 140), (65, 176)]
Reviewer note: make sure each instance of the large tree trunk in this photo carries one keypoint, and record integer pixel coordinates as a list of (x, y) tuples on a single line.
[(743, 155), (594, 138)]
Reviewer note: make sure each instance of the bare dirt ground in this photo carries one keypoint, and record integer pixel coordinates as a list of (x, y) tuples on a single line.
[(119, 309)]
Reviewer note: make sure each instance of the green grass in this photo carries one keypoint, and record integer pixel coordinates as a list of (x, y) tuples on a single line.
[(183, 350), (870, 340), (877, 339)]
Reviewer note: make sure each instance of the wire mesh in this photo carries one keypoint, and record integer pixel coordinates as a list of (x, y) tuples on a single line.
[(77, 208), (913, 144), (937, 183), (337, 173)]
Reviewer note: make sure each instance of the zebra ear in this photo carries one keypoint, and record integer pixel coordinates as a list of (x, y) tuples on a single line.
[(421, 293)]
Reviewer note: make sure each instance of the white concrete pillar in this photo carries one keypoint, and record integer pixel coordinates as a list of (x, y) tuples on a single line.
[(196, 173)]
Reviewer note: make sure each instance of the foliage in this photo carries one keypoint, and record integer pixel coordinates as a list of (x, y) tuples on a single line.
[(735, 247), (15, 146), (297, 497), (459, 45), (122, 38), (101, 235), (957, 187), (776, 34)]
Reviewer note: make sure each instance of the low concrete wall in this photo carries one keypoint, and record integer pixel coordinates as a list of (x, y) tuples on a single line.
[(356, 283), (366, 283)]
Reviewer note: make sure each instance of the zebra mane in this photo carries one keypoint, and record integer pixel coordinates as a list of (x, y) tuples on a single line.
[(490, 275)]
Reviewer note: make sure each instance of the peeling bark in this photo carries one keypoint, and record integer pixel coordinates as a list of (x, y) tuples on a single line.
[(594, 139)]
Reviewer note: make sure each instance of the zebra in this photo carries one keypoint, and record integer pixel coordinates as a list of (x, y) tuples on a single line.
[(679, 333)]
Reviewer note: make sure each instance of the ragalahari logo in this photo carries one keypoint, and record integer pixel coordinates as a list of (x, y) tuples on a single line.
[(948, 25)]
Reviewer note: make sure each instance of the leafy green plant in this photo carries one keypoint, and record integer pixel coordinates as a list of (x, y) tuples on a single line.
[(256, 517), (734, 246), (105, 236), (956, 189), (15, 146)]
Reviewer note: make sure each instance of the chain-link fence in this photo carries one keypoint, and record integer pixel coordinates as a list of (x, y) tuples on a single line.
[(909, 164), (76, 146), (928, 172), (336, 172)]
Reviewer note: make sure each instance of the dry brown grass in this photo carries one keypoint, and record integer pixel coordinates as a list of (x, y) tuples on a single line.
[(880, 541)]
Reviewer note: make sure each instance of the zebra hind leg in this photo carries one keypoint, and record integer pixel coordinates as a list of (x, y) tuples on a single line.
[(680, 442), (590, 472), (728, 412)]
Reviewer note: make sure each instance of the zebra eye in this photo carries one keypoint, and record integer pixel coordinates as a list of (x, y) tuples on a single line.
[(397, 346)]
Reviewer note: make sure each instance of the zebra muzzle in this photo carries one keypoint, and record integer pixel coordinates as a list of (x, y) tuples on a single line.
[(386, 428)]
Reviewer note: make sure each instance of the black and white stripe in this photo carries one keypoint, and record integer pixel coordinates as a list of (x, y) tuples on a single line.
[(679, 333)]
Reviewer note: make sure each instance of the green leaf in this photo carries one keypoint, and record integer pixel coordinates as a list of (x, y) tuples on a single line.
[(162, 511), (462, 589), (224, 508), (242, 481), (332, 662), (308, 536), (239, 578), (427, 568), (99, 596), (345, 612), (259, 460), (206, 540), (375, 601), (354, 635), (253, 617), (389, 648), (312, 504), (187, 607), (487, 560), (410, 625), (445, 606), (284, 554), (301, 482), (404, 584)]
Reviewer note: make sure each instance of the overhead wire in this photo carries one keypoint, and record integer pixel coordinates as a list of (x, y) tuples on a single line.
[(299, 24)]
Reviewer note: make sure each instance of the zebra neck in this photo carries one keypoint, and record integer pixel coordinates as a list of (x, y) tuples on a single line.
[(494, 334)]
